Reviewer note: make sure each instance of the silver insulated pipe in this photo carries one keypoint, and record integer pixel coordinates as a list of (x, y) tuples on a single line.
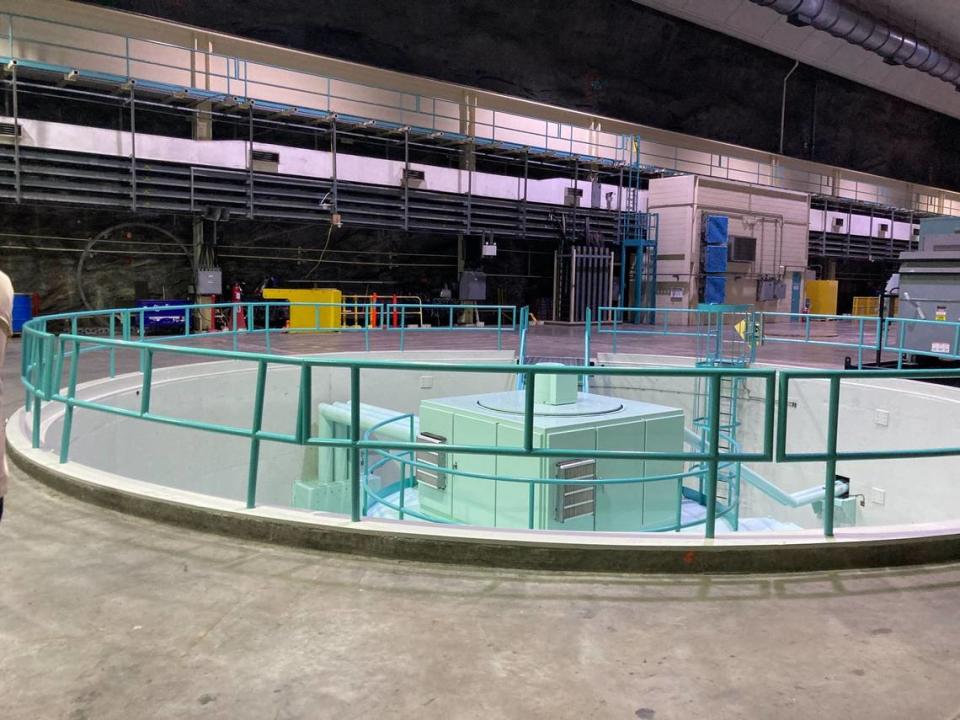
[(894, 45)]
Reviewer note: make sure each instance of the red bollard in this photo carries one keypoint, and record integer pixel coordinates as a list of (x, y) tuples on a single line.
[(373, 310), (396, 313)]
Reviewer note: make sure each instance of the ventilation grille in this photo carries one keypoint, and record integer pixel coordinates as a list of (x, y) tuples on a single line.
[(9, 130), (575, 500), (264, 156), (431, 476)]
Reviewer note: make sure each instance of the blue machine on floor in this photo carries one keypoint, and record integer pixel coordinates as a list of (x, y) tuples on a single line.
[(159, 320), (23, 309)]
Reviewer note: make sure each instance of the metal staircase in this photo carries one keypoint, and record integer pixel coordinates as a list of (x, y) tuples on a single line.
[(638, 233), (725, 339)]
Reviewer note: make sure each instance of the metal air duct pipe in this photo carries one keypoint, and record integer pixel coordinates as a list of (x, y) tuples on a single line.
[(894, 45)]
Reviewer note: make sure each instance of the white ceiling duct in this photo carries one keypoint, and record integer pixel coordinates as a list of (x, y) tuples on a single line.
[(895, 46)]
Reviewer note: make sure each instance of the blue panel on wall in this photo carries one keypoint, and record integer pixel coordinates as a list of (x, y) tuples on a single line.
[(715, 258), (715, 289), (716, 230)]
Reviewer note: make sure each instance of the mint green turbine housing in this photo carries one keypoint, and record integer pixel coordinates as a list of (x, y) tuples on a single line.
[(588, 422)]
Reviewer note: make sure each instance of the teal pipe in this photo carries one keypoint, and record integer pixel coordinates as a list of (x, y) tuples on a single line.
[(713, 439), (355, 448), (68, 411), (830, 476), (256, 426)]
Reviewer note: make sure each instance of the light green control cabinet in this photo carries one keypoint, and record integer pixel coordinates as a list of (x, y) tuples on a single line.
[(588, 422)]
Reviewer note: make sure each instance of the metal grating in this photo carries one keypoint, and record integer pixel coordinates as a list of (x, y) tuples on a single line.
[(431, 476), (575, 500), (84, 179)]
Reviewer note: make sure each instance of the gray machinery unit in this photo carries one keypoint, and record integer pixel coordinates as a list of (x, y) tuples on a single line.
[(582, 278), (929, 288)]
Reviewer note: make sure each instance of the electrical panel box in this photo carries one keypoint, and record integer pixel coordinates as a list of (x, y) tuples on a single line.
[(507, 494), (209, 282), (473, 285)]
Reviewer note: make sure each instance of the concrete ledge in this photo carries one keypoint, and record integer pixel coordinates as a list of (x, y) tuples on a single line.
[(595, 552)]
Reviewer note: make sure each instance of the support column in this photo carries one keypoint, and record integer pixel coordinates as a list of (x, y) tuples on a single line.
[(203, 121)]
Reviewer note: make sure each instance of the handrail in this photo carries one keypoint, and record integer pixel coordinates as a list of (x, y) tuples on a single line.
[(46, 353), (892, 336), (44, 349)]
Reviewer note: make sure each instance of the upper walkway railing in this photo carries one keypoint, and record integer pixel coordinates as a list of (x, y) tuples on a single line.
[(48, 352), (93, 51)]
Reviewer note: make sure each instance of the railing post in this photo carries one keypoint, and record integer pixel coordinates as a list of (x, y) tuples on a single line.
[(147, 381), (830, 477), (304, 404), (354, 447), (140, 334), (254, 465), (531, 499), (366, 327), (403, 325), (528, 383), (499, 328), (900, 338), (860, 346), (713, 463), (113, 349), (266, 326), (68, 411), (616, 317), (234, 309), (586, 347)]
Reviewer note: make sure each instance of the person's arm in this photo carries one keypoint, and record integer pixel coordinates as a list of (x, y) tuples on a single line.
[(6, 304)]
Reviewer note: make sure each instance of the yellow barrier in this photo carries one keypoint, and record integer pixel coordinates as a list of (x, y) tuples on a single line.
[(823, 296), (303, 317)]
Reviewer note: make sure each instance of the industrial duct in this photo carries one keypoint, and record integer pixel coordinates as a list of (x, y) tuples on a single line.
[(895, 46)]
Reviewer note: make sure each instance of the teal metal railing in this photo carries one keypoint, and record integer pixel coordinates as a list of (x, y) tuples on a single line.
[(47, 352), (862, 335), (490, 318)]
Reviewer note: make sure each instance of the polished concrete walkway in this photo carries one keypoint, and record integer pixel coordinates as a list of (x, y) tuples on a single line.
[(106, 616)]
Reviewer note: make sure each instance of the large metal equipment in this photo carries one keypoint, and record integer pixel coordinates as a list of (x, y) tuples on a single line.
[(563, 419), (929, 288)]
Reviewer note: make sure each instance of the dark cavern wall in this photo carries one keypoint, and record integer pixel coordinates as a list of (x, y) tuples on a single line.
[(126, 257)]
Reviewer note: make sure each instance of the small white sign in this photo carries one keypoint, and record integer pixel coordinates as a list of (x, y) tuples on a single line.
[(676, 294), (940, 347)]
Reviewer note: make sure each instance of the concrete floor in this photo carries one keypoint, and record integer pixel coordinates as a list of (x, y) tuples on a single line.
[(108, 616)]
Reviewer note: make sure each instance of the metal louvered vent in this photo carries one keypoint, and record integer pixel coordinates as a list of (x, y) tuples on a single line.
[(264, 156), (575, 500), (431, 476), (9, 130)]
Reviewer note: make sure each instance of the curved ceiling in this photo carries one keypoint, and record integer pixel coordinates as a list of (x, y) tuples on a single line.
[(935, 20)]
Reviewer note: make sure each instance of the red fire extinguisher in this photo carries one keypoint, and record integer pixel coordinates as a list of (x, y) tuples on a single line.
[(236, 295)]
